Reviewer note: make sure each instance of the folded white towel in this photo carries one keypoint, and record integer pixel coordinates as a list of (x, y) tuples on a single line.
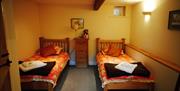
[(29, 65), (125, 66)]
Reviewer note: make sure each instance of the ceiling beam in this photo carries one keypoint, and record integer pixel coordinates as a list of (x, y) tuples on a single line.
[(98, 4)]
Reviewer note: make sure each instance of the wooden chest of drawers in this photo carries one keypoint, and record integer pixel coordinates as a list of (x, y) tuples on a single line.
[(81, 52)]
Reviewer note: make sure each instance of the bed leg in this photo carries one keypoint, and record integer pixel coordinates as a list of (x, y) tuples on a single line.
[(151, 88), (50, 87), (105, 88)]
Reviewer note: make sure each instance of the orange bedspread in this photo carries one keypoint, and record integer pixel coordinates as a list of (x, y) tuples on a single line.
[(101, 59), (61, 61)]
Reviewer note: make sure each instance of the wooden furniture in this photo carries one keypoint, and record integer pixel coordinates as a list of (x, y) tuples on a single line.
[(177, 88), (64, 43), (5, 83), (81, 50), (40, 85), (100, 44)]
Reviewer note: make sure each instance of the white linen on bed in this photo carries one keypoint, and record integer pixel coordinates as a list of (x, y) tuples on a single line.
[(125, 66), (27, 66)]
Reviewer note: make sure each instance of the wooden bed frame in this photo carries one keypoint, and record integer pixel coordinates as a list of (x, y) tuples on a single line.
[(39, 85), (100, 44)]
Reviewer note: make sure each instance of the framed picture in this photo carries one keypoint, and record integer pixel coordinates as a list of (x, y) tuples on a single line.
[(77, 23), (174, 20)]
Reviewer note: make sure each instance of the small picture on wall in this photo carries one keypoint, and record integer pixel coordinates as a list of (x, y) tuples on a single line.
[(77, 23), (174, 20)]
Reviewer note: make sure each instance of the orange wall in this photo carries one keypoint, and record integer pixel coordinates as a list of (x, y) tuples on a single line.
[(11, 43), (31, 20), (55, 23), (155, 37), (22, 33), (27, 28)]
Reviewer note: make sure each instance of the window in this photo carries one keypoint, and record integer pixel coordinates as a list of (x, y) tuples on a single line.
[(119, 11)]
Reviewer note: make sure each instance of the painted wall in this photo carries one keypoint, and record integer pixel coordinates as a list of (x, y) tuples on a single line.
[(165, 78), (27, 27), (55, 23), (155, 37), (11, 43), (22, 27), (28, 20)]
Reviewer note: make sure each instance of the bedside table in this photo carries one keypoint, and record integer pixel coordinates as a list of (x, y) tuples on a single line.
[(81, 52)]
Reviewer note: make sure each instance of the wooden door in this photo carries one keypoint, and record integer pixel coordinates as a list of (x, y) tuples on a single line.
[(5, 84)]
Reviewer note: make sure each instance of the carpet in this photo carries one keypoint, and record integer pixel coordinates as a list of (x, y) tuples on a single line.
[(80, 79)]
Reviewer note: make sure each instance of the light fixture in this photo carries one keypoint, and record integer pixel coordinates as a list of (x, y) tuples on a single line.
[(148, 6), (146, 13), (147, 16)]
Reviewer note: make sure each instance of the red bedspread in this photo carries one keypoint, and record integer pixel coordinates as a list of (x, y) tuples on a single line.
[(61, 61), (101, 59)]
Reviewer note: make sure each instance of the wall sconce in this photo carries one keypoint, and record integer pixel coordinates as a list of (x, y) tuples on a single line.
[(146, 13), (147, 16), (77, 23), (148, 7)]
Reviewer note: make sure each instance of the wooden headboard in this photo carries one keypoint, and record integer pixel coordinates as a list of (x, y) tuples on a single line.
[(64, 43), (100, 44)]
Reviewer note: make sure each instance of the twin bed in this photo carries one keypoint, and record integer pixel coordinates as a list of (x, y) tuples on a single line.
[(39, 80), (130, 82), (47, 82)]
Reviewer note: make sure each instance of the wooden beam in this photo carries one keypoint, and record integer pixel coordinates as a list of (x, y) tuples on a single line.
[(98, 4)]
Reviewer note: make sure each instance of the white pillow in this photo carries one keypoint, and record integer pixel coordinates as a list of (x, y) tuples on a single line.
[(29, 65), (125, 66)]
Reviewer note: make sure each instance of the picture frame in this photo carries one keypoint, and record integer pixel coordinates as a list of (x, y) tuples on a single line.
[(174, 20), (77, 23)]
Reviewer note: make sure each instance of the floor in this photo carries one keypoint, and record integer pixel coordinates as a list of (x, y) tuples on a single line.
[(64, 76), (80, 79), (97, 81), (64, 79)]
